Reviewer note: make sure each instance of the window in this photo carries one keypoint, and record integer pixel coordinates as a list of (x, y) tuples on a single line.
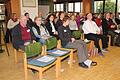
[(118, 6), (110, 5), (70, 7), (98, 6), (58, 7), (77, 6), (61, 7)]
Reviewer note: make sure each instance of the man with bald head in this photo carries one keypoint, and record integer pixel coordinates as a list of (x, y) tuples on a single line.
[(92, 32), (22, 34)]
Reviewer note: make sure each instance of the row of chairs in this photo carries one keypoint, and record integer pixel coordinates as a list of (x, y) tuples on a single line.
[(44, 52), (52, 44)]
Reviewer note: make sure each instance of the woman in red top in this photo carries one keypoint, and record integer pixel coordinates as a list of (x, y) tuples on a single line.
[(99, 22)]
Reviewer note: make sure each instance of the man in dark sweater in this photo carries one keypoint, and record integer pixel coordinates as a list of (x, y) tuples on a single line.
[(22, 34), (68, 41)]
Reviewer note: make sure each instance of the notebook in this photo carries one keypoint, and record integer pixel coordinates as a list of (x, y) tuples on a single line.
[(45, 59), (59, 52)]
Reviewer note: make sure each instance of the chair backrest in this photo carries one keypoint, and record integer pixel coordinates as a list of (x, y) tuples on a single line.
[(33, 49), (51, 43), (76, 34)]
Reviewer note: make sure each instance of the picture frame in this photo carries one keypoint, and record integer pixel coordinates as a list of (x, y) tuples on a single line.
[(29, 3)]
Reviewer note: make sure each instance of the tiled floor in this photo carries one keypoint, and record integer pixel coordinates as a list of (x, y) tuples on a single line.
[(108, 68)]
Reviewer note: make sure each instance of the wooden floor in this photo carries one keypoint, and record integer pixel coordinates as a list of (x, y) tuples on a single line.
[(108, 68)]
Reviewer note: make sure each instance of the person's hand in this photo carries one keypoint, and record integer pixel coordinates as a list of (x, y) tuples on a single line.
[(72, 39), (26, 43), (56, 32), (98, 32), (112, 26), (34, 41)]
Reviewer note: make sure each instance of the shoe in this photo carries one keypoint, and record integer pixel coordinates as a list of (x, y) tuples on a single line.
[(87, 41), (101, 54), (83, 65), (104, 50), (93, 63)]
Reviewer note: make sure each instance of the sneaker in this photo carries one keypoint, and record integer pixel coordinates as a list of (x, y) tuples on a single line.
[(101, 54), (93, 63), (87, 41), (104, 50), (83, 65)]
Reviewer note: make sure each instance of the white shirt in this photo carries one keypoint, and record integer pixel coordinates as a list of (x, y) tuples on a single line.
[(73, 25), (53, 27), (11, 24), (90, 27)]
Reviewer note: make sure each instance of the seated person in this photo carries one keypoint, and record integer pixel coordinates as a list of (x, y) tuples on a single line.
[(73, 25), (40, 31), (29, 20), (108, 27), (92, 32), (68, 41), (50, 25), (11, 24), (22, 34)]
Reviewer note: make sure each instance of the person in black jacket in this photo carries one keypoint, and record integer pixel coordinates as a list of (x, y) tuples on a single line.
[(22, 34), (68, 41), (108, 27), (29, 20), (59, 21), (50, 25)]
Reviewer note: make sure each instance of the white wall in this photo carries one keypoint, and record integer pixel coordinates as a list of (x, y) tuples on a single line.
[(33, 11)]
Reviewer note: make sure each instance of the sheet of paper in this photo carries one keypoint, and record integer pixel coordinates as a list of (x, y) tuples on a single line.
[(45, 59), (59, 52)]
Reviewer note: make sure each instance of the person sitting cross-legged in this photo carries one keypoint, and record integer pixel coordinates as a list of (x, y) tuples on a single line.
[(68, 41), (92, 32)]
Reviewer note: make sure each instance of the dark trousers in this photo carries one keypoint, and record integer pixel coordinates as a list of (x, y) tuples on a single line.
[(112, 34), (96, 38), (8, 36)]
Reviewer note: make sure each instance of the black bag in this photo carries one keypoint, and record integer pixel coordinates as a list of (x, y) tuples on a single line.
[(117, 40)]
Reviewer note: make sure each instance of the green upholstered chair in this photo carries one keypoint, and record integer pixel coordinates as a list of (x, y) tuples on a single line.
[(76, 34), (60, 53), (35, 61)]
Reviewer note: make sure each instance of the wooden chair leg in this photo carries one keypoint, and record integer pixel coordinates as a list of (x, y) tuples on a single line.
[(71, 58), (109, 40), (26, 71), (82, 36), (91, 49), (75, 55), (58, 67), (15, 54), (40, 74)]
